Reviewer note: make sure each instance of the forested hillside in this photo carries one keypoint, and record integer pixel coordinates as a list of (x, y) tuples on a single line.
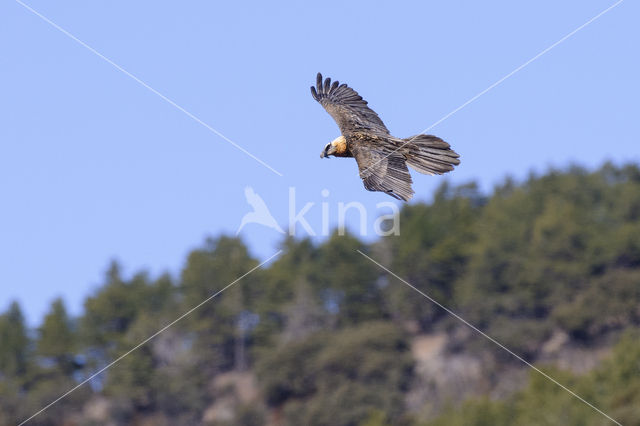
[(549, 267)]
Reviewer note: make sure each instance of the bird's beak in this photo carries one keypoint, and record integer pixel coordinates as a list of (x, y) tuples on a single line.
[(327, 151)]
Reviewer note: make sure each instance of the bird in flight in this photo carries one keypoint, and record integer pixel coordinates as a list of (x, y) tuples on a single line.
[(382, 158)]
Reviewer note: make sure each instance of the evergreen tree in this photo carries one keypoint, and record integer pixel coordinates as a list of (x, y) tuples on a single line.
[(347, 282), (57, 338), (15, 350)]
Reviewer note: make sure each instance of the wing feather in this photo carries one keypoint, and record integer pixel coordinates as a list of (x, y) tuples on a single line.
[(347, 107), (382, 172)]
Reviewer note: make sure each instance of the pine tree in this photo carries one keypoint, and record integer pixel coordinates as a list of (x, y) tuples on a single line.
[(57, 339), (15, 347)]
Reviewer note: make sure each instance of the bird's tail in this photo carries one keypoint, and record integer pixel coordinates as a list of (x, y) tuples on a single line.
[(429, 154)]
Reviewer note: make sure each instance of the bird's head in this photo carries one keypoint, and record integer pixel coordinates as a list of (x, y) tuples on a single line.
[(337, 147)]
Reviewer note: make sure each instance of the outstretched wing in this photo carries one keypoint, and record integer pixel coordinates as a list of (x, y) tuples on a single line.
[(347, 107), (383, 172)]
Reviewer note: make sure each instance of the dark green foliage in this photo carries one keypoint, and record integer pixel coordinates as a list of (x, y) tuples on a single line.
[(57, 340), (15, 349), (432, 251), (610, 302), (346, 281), (16, 364), (288, 305), (321, 336), (221, 328), (549, 243), (339, 378), (112, 310)]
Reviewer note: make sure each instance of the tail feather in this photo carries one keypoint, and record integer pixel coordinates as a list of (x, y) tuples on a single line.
[(429, 154)]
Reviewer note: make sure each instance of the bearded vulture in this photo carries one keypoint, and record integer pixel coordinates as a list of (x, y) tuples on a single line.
[(382, 158)]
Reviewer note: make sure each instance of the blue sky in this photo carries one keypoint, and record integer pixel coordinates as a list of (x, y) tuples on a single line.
[(94, 166)]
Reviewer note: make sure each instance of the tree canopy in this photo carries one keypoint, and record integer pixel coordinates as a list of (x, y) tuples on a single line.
[(550, 267)]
